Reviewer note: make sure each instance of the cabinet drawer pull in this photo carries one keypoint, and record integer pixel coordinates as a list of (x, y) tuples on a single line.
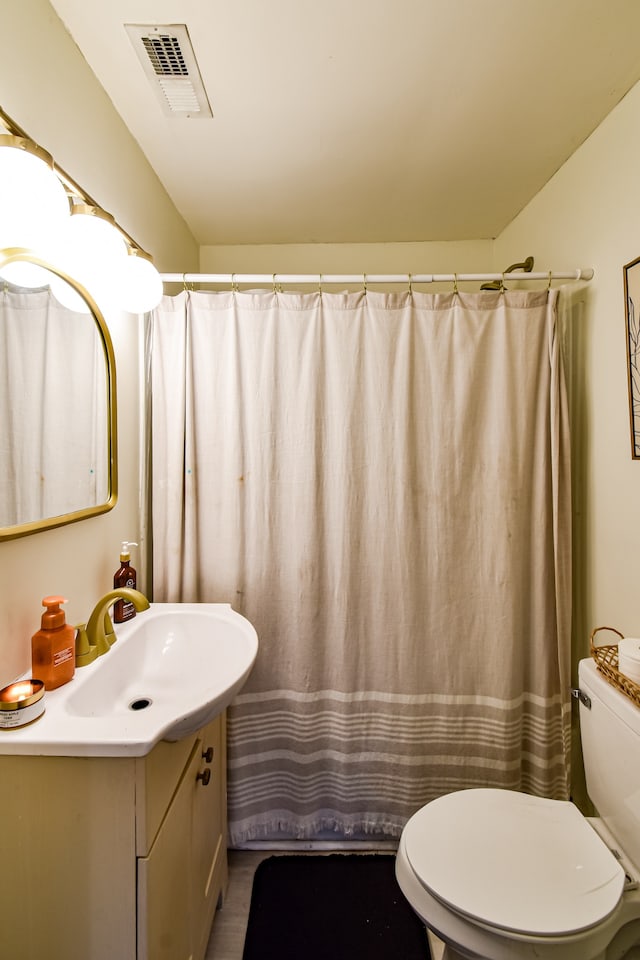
[(208, 755), (205, 776)]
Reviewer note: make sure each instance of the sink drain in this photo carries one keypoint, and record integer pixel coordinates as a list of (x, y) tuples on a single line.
[(140, 703)]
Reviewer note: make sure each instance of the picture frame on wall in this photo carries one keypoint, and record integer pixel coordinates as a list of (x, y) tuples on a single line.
[(631, 274)]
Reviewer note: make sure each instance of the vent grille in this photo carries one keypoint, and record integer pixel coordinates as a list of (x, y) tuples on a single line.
[(165, 55), (169, 62), (180, 95)]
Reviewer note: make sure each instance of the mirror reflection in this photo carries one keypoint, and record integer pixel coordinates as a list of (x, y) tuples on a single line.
[(57, 400)]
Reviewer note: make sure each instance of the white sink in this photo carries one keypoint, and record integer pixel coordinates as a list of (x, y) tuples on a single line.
[(173, 668)]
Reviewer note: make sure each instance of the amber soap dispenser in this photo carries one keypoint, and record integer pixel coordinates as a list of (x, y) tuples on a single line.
[(125, 576), (53, 646)]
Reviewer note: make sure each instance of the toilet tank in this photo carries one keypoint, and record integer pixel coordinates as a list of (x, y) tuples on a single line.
[(610, 736)]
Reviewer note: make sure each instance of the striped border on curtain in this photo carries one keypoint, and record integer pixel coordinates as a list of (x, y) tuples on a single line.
[(363, 761)]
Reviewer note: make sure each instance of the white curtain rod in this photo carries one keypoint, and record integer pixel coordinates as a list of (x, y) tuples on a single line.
[(322, 278)]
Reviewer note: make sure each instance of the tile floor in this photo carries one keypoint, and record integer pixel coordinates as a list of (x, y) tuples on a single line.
[(230, 923)]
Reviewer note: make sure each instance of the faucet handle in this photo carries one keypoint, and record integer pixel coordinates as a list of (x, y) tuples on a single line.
[(85, 652)]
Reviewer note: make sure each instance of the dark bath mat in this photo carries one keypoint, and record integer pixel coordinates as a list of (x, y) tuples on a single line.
[(336, 907)]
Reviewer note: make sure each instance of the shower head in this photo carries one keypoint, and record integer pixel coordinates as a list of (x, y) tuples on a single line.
[(526, 266)]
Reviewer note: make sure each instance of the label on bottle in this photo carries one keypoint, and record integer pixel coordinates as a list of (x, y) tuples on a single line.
[(12, 718), (62, 656), (18, 718)]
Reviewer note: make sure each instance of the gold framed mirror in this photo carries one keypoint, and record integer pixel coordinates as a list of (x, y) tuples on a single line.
[(58, 417)]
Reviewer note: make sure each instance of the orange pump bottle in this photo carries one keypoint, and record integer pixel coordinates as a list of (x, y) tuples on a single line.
[(53, 653)]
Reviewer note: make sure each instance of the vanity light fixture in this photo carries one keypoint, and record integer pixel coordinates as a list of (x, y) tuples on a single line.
[(46, 213)]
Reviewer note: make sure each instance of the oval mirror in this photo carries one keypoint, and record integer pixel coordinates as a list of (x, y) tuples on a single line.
[(57, 399)]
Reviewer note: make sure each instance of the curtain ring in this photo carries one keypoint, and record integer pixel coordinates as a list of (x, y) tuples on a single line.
[(410, 285), (364, 283), (320, 284), (275, 286), (455, 283), (502, 287), (549, 284), (234, 284)]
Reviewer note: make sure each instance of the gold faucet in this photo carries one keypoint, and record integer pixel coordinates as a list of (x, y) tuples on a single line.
[(97, 636)]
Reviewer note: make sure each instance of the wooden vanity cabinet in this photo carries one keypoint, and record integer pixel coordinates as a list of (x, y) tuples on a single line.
[(113, 857)]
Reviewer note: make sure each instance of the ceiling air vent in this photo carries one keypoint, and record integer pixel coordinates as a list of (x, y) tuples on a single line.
[(169, 62)]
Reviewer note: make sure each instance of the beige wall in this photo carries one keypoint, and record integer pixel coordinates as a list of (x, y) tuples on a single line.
[(471, 256), (48, 90), (589, 215)]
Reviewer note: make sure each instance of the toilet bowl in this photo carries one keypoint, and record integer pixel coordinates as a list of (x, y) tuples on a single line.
[(501, 875)]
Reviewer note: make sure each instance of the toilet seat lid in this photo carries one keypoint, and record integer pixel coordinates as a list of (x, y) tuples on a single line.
[(513, 861)]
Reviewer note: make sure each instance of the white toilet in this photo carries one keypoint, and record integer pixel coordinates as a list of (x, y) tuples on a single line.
[(501, 875)]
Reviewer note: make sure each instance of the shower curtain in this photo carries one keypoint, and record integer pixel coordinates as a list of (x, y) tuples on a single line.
[(380, 484)]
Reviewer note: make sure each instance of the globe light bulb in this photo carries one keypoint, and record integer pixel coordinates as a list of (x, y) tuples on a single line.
[(139, 284), (33, 199), (92, 250)]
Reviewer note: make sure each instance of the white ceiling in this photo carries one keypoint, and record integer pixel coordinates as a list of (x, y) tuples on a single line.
[(366, 120)]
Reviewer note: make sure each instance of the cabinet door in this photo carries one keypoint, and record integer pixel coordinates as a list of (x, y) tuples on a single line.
[(68, 879), (208, 839), (157, 776), (165, 879)]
